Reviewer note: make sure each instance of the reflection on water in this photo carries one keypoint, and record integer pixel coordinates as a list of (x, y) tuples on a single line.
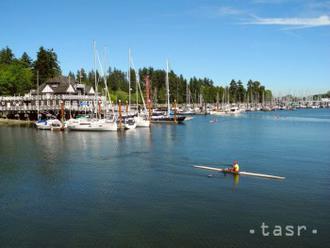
[(139, 189), (236, 179)]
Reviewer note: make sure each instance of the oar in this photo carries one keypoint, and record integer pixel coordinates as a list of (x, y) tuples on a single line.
[(260, 175), (209, 168), (214, 163)]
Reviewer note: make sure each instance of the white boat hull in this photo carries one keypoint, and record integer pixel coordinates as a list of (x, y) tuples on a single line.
[(129, 127), (93, 125), (141, 122), (52, 124), (56, 125), (218, 113)]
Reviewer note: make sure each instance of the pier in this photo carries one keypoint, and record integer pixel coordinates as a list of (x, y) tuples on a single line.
[(27, 107)]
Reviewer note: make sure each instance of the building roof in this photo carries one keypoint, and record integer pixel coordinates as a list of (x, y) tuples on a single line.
[(59, 79), (58, 85), (89, 90)]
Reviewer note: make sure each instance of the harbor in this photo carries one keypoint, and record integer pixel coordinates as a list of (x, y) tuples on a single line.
[(165, 124), (146, 168), (29, 106), (140, 189)]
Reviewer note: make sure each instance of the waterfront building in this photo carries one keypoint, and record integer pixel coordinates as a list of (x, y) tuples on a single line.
[(49, 96)]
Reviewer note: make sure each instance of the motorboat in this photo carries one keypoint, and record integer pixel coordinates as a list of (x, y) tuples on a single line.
[(49, 124)]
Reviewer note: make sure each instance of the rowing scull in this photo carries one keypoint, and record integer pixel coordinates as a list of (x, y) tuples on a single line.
[(239, 173)]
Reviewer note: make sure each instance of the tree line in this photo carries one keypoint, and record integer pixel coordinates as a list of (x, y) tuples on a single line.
[(19, 75)]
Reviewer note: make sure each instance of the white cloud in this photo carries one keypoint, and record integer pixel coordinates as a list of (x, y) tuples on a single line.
[(296, 22)]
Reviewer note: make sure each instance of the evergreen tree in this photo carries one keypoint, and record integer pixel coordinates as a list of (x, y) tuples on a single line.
[(81, 76), (6, 56), (47, 64), (71, 76), (240, 92), (233, 91), (26, 60)]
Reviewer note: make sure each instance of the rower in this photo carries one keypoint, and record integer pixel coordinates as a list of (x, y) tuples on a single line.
[(235, 167)]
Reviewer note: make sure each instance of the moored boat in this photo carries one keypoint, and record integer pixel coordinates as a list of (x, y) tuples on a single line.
[(56, 125), (49, 124), (129, 123), (219, 112), (141, 121), (168, 118), (93, 125)]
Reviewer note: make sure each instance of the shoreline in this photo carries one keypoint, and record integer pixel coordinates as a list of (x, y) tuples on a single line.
[(10, 122)]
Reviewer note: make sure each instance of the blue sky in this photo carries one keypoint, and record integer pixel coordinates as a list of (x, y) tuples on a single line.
[(284, 44)]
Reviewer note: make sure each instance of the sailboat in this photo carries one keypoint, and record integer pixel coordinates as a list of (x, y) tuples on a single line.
[(141, 117), (98, 123), (218, 111), (168, 117), (128, 118), (187, 111)]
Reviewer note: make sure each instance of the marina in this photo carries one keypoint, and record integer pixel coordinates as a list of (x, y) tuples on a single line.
[(165, 124)]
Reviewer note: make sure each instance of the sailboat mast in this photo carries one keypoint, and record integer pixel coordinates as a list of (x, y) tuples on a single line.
[(187, 94), (263, 99), (38, 95), (138, 85), (129, 78), (136, 90), (167, 89), (95, 78)]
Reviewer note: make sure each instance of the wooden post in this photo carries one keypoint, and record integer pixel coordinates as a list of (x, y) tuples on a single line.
[(149, 108), (119, 111), (62, 114), (175, 112), (99, 109), (148, 94)]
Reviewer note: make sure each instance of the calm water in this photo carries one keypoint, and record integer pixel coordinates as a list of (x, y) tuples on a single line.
[(138, 188)]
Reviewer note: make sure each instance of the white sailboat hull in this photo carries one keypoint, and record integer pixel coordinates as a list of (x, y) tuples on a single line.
[(93, 125), (218, 113), (141, 122)]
